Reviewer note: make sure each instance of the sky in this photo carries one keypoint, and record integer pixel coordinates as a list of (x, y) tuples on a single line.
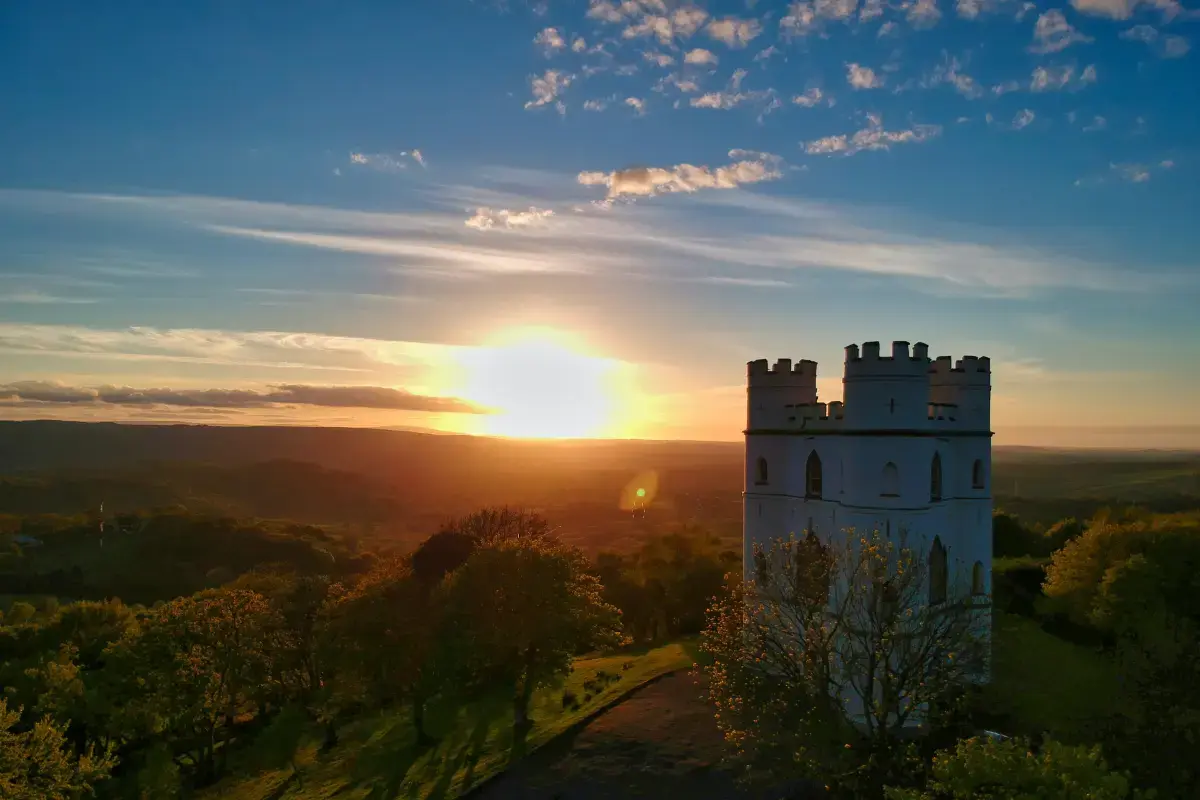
[(582, 218)]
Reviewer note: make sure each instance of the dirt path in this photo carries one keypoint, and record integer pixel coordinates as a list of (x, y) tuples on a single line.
[(661, 742)]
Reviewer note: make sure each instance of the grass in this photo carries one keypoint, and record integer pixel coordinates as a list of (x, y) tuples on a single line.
[(377, 758), (1044, 684)]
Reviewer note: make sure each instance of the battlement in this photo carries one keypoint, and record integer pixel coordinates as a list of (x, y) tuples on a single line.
[(782, 373), (967, 371), (901, 363)]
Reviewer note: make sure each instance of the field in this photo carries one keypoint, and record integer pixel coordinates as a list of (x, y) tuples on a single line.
[(1043, 684), (376, 756)]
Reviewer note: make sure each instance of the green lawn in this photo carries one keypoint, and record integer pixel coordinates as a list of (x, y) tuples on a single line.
[(1045, 684), (376, 757)]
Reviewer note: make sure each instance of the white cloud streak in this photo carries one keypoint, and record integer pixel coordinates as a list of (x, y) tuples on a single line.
[(872, 137), (486, 219)]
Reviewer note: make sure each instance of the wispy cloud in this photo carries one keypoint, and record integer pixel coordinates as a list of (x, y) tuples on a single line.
[(486, 219), (550, 41), (923, 14), (651, 181), (1124, 9), (387, 162), (376, 397), (42, 299), (700, 56), (1061, 77), (861, 77), (809, 99), (1053, 33), (671, 241), (1023, 119), (872, 137), (547, 87), (734, 32), (1171, 46)]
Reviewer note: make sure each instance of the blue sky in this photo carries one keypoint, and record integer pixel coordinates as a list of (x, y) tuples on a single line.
[(217, 200)]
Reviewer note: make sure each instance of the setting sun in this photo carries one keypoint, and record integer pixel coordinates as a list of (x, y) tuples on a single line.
[(542, 385)]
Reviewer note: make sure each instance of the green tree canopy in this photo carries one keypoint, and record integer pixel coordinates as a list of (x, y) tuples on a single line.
[(527, 606), (984, 769)]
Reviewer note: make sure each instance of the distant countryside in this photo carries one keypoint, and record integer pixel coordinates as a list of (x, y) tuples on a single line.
[(303, 613)]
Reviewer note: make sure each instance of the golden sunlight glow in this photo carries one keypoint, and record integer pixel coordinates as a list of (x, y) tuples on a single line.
[(542, 385)]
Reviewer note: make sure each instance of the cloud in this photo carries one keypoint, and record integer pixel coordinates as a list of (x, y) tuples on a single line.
[(733, 96), (637, 104), (1139, 173), (1023, 119), (385, 162), (924, 14), (700, 56), (1141, 33), (597, 105), (1006, 87), (734, 32), (950, 72), (1124, 9), (668, 241), (863, 77), (375, 397), (547, 87), (1053, 33), (274, 350), (1175, 47), (652, 181), (486, 219), (681, 23), (1098, 123), (578, 45), (43, 299), (872, 137), (1058, 78), (550, 40), (809, 99), (806, 16), (1165, 46), (661, 59)]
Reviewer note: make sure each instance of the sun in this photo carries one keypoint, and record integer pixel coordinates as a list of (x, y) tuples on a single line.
[(542, 385)]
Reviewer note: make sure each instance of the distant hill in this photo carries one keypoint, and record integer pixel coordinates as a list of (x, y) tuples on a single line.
[(403, 483)]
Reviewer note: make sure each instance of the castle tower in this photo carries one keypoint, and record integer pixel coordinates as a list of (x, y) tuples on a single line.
[(907, 452)]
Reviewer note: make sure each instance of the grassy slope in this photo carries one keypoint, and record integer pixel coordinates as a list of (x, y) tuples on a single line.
[(376, 757), (1046, 684)]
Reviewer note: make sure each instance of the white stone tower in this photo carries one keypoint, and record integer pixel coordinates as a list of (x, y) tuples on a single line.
[(907, 449)]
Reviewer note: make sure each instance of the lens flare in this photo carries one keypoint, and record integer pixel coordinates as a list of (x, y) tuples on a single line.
[(639, 493)]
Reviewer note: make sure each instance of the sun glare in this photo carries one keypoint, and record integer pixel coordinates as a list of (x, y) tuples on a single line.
[(541, 385)]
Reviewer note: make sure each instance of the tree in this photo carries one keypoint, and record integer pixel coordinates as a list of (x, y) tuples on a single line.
[(493, 525), (192, 667), (1136, 582), (1011, 770), (39, 765), (526, 607), (387, 643), (821, 668)]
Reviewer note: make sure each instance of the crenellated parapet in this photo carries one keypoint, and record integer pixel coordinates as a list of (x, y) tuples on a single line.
[(869, 362), (898, 389)]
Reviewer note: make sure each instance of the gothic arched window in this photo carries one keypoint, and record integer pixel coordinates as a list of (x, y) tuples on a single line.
[(762, 570), (977, 578), (935, 478), (891, 481), (813, 571), (812, 476), (938, 572), (760, 474), (977, 474)]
